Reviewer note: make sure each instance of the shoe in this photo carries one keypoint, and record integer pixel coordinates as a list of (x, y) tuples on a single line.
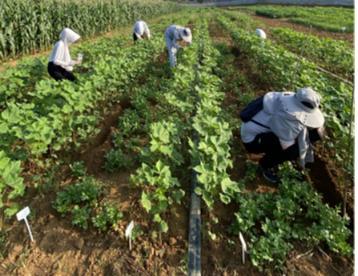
[(270, 175)]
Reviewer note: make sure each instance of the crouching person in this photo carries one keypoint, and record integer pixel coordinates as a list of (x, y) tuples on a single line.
[(140, 31), (173, 35), (60, 64), (283, 126)]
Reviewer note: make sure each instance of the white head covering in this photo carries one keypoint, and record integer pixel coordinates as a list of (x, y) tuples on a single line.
[(185, 34), (260, 33), (304, 105), (68, 36), (60, 54)]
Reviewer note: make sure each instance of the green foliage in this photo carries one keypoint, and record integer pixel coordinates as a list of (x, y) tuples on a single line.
[(107, 216), (81, 201), (85, 192), (78, 169), (326, 18), (11, 183), (336, 56), (211, 154), (272, 222)]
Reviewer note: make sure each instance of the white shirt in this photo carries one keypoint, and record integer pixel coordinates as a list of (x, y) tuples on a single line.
[(140, 28), (249, 130), (60, 54)]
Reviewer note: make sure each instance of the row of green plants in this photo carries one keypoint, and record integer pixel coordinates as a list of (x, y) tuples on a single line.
[(282, 70), (333, 55), (331, 19), (60, 115), (27, 26), (210, 147), (274, 222), (163, 159)]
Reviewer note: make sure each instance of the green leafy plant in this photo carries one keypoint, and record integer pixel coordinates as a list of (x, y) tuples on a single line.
[(107, 216)]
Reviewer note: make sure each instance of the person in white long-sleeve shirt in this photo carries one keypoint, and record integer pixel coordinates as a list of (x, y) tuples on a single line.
[(141, 30), (60, 64), (284, 129), (174, 34)]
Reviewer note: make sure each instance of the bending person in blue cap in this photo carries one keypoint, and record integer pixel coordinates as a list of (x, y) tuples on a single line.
[(284, 128)]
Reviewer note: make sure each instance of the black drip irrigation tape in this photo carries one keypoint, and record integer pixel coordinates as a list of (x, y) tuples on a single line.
[(194, 229)]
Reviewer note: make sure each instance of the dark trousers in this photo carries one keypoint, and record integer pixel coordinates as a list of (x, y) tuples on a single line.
[(269, 144), (59, 73)]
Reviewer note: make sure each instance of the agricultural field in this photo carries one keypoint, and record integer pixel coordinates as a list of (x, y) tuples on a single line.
[(127, 140)]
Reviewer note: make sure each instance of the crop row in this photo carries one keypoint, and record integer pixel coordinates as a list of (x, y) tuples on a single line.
[(28, 26), (282, 70), (326, 18), (335, 56)]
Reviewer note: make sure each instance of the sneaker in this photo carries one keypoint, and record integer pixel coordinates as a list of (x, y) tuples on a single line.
[(270, 175)]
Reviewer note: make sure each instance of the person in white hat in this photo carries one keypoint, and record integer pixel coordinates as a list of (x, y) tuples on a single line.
[(174, 34), (141, 30), (260, 33), (60, 64), (284, 129)]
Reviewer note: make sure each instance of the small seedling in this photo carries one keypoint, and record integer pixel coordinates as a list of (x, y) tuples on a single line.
[(22, 215)]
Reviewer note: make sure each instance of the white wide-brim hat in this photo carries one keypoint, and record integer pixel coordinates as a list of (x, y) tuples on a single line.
[(185, 34), (304, 106)]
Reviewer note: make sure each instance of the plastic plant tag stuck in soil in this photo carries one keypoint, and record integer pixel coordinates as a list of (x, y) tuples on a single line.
[(128, 233), (22, 215), (244, 247)]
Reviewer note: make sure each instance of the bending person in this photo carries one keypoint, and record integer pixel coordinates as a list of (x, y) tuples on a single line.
[(140, 30), (173, 35), (284, 130), (60, 64)]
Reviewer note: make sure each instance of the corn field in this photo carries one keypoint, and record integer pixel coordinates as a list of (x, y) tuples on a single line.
[(30, 25)]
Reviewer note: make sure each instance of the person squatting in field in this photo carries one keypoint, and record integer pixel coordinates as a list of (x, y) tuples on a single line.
[(140, 31), (284, 129), (174, 34), (60, 64)]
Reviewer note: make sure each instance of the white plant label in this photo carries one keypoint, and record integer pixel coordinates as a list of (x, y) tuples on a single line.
[(243, 246), (128, 233), (22, 215)]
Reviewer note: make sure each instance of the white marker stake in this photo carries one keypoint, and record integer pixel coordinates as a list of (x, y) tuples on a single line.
[(244, 247), (22, 215), (128, 233)]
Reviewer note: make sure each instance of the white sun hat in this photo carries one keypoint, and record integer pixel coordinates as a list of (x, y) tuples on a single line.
[(185, 34), (304, 105)]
